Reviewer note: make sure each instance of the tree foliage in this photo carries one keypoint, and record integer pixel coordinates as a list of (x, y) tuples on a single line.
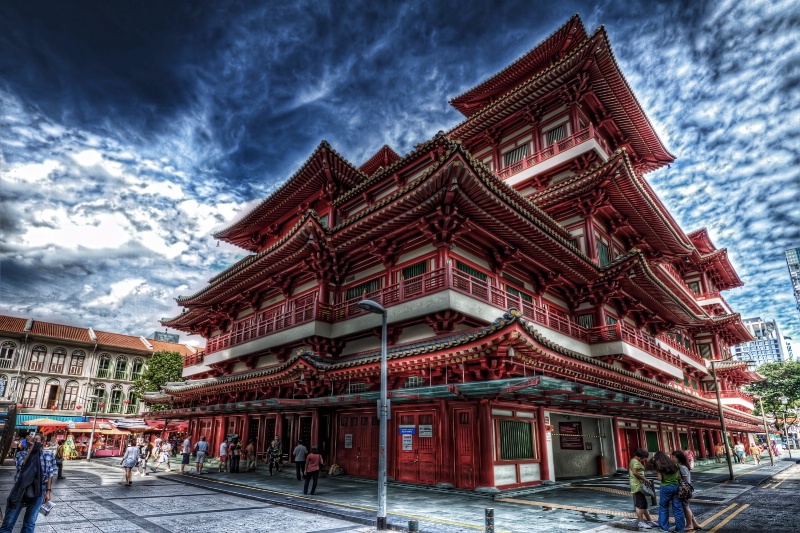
[(163, 367), (782, 381)]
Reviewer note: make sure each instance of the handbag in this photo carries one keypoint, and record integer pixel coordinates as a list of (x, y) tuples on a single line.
[(685, 490)]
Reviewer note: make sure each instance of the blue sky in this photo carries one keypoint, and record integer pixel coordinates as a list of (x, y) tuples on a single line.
[(130, 131)]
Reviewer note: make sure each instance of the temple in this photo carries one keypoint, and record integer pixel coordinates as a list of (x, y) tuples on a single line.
[(547, 315)]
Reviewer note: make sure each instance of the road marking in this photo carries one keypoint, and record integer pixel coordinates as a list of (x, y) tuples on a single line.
[(729, 518), (720, 513), (601, 489), (553, 505)]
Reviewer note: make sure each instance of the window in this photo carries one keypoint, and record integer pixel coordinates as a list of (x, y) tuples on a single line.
[(575, 244), (694, 286), (474, 272), (415, 270), (555, 135), (133, 404), (70, 395), (355, 388), (30, 392), (76, 363), (610, 320), (519, 294), (586, 321), (694, 384), (516, 155), (323, 221), (115, 406), (516, 440), (3, 385), (414, 381), (705, 350), (7, 350), (51, 394), (364, 288), (603, 257), (104, 366), (136, 371), (99, 394), (37, 358), (58, 360), (122, 367)]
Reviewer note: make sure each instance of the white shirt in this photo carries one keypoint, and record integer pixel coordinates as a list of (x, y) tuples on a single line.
[(223, 448), (187, 445)]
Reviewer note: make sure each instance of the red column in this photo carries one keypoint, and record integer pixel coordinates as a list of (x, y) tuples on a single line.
[(642, 439), (315, 429), (445, 442), (618, 442), (486, 443), (678, 438), (220, 434), (245, 429), (701, 443), (544, 464), (588, 236), (661, 444), (279, 426)]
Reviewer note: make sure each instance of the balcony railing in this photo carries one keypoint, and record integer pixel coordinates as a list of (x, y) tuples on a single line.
[(36, 366), (708, 295), (69, 405), (49, 404), (120, 374), (711, 395), (554, 149), (114, 408), (688, 352), (28, 402), (6, 363), (56, 369), (132, 408), (430, 283), (104, 373)]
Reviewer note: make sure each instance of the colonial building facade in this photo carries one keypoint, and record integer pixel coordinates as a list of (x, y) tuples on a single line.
[(52, 370), (546, 313)]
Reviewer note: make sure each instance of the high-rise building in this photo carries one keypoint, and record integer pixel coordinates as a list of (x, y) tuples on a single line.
[(793, 262), (789, 347), (165, 337), (769, 347)]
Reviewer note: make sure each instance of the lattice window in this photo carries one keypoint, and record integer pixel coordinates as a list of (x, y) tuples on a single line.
[(37, 358), (610, 320), (603, 255), (70, 395), (76, 363), (7, 350), (122, 367), (57, 361), (414, 381), (516, 440), (586, 321), (474, 272), (355, 388), (138, 368), (415, 270), (104, 366), (556, 134), (30, 392), (516, 155), (362, 289), (694, 286)]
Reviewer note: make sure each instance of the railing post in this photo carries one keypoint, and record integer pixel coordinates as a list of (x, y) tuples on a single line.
[(489, 516), (413, 526)]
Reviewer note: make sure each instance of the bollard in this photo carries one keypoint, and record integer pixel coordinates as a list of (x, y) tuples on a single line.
[(489, 520), (413, 526)]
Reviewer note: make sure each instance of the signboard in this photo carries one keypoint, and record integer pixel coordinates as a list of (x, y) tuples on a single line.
[(426, 431), (570, 435), (407, 430), (408, 442), (348, 440)]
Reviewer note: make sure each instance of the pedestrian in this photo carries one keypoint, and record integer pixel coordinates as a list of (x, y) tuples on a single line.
[(164, 457), (33, 482), (669, 474), (738, 449), (313, 463), (755, 453), (300, 452), (274, 455), (141, 464), (250, 453), (689, 457), (60, 459), (719, 451), (775, 451), (235, 456), (637, 481), (174, 446), (223, 455), (13, 450), (186, 451), (686, 475), (201, 448), (129, 460)]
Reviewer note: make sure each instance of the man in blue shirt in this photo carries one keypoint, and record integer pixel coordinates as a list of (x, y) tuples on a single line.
[(202, 450), (49, 471)]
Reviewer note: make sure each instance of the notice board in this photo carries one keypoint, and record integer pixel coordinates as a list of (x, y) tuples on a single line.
[(570, 435)]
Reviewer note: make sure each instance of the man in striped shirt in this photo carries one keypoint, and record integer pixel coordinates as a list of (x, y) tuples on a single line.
[(49, 472)]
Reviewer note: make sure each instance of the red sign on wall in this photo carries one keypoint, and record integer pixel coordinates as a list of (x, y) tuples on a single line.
[(570, 435)]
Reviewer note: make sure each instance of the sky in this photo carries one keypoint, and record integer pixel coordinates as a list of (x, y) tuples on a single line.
[(131, 130)]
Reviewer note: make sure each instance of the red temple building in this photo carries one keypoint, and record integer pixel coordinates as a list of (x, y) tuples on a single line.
[(547, 315)]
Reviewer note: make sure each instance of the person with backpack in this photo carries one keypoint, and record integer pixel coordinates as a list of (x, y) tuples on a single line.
[(235, 455), (686, 476), (33, 482), (669, 474)]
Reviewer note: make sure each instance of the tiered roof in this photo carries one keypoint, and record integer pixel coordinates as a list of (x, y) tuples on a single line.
[(382, 159)]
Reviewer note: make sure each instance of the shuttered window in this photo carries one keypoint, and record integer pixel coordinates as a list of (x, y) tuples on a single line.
[(652, 441), (516, 155), (556, 134), (359, 290), (705, 350), (474, 272), (521, 295), (415, 270), (586, 321), (516, 440), (610, 320), (694, 286), (603, 256)]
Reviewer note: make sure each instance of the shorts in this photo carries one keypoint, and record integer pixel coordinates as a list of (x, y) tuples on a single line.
[(201, 457), (639, 501), (740, 454), (185, 459), (223, 458)]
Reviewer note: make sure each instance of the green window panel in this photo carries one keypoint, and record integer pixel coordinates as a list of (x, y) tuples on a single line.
[(474, 272), (359, 290), (517, 154), (651, 437), (603, 257), (516, 440), (415, 270), (684, 441)]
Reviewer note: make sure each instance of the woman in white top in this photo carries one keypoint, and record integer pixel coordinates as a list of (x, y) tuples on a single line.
[(129, 460), (686, 475)]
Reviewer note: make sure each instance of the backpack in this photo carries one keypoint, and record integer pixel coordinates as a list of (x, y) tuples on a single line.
[(685, 490)]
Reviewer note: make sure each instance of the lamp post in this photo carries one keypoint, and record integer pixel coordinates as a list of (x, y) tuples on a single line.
[(383, 413), (721, 414), (766, 431), (785, 402), (94, 426)]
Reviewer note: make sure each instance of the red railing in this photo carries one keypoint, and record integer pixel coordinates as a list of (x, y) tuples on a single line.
[(711, 395), (708, 295), (430, 283), (553, 150), (688, 352), (677, 277)]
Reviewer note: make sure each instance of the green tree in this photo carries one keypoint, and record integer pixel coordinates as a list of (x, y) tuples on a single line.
[(782, 380), (163, 367)]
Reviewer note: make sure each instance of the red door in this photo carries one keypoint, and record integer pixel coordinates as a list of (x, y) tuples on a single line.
[(416, 450), (630, 443), (357, 450), (465, 453)]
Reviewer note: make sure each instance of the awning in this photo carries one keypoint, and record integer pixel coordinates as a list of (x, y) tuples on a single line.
[(28, 418), (173, 426), (99, 431)]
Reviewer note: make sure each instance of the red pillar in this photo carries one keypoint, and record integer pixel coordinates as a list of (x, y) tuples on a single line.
[(245, 429), (661, 444), (588, 236), (445, 442), (279, 427), (315, 429), (544, 464), (486, 443), (618, 445), (220, 434), (678, 439), (702, 444), (642, 438)]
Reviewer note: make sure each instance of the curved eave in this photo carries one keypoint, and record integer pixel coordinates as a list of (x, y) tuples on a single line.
[(185, 321), (732, 323), (628, 194), (532, 62), (727, 276), (609, 86), (383, 158), (306, 181), (701, 241)]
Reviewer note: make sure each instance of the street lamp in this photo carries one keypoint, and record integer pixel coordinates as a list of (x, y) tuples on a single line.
[(766, 431), (383, 412), (785, 402), (94, 425), (719, 410)]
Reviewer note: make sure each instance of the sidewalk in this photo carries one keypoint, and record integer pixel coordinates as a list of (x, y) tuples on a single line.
[(574, 506)]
